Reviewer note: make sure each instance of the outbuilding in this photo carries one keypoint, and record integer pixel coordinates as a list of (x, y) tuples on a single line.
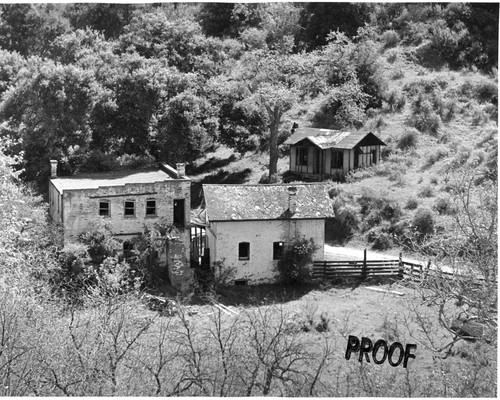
[(318, 153)]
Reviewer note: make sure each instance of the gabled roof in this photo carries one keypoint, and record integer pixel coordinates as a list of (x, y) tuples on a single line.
[(266, 202), (156, 173), (329, 138)]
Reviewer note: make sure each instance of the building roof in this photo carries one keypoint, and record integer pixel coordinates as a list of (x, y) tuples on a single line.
[(329, 138), (157, 173), (266, 202)]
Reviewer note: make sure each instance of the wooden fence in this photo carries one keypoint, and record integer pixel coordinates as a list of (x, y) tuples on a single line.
[(369, 268)]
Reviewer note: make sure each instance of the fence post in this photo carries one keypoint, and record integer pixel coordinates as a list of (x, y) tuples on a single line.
[(363, 271), (324, 269), (401, 267), (427, 269), (411, 271)]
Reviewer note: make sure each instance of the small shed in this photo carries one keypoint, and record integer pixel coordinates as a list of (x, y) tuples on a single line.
[(325, 152)]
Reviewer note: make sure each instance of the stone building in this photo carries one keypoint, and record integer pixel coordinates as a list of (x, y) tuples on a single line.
[(130, 200), (249, 226), (318, 153)]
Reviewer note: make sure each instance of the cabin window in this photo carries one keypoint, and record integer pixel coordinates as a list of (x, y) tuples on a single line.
[(337, 159), (179, 216), (374, 156), (129, 208), (301, 158), (278, 250), (244, 251), (150, 208), (104, 208)]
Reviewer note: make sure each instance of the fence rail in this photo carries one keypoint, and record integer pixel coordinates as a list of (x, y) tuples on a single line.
[(397, 268)]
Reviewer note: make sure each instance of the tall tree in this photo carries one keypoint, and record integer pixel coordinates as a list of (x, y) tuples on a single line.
[(49, 109)]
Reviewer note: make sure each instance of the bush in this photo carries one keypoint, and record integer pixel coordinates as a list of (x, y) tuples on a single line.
[(411, 204), (443, 206), (295, 266), (379, 238), (438, 154), (396, 100), (390, 39), (423, 223), (408, 139), (426, 191)]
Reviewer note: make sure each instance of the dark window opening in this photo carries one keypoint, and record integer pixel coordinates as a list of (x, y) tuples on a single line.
[(127, 248), (129, 210), (150, 208), (244, 251), (179, 213), (301, 158), (337, 159), (278, 249), (241, 282), (104, 208), (374, 156)]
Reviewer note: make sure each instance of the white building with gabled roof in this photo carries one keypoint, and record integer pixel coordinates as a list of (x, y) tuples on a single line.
[(249, 226)]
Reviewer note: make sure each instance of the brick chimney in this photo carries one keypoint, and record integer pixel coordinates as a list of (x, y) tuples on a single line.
[(53, 168), (181, 169), (292, 199)]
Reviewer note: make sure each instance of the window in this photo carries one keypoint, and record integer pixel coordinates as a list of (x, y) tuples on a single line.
[(129, 209), (374, 156), (150, 208), (337, 159), (244, 251), (278, 250), (179, 216), (128, 247), (104, 208), (301, 156)]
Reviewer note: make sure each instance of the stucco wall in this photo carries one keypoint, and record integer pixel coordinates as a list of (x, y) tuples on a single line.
[(81, 209), (81, 206), (55, 204), (224, 237)]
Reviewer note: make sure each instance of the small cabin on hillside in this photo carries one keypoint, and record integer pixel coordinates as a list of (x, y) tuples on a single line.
[(130, 200), (248, 227), (325, 152)]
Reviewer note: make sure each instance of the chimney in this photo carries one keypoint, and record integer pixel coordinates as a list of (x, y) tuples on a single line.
[(292, 199), (181, 169), (294, 127), (53, 168)]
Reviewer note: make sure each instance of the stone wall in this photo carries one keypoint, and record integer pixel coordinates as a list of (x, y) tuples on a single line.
[(81, 210)]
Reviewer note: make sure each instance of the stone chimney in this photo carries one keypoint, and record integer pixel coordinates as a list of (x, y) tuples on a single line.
[(181, 169), (53, 168), (292, 199)]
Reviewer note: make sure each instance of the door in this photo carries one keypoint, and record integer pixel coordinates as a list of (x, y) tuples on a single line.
[(316, 161), (179, 212)]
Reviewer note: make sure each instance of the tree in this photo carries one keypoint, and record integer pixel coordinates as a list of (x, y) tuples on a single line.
[(109, 19), (30, 28), (49, 109)]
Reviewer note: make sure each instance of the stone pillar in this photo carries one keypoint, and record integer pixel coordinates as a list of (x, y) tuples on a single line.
[(179, 269)]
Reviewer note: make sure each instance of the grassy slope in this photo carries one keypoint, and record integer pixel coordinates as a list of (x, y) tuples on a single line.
[(407, 175)]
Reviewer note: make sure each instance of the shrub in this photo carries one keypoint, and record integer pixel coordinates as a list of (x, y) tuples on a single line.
[(426, 191), (443, 206), (408, 139), (396, 100), (392, 56), (423, 223), (390, 39), (411, 204), (398, 74), (438, 154), (295, 265), (379, 238), (346, 221)]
